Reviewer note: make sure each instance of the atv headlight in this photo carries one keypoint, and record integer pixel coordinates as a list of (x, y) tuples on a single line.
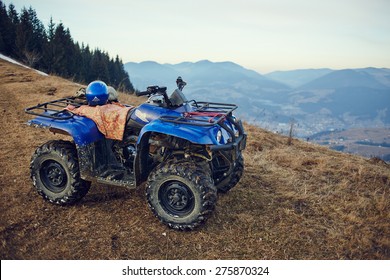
[(236, 132), (219, 136), (235, 128)]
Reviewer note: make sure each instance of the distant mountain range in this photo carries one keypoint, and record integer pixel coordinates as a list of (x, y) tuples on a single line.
[(296, 78), (315, 100), (203, 73)]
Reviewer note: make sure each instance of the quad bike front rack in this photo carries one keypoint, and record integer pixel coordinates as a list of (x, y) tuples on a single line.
[(206, 114)]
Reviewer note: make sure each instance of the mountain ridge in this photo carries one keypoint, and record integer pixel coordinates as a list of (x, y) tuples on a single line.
[(298, 78), (203, 70), (344, 78)]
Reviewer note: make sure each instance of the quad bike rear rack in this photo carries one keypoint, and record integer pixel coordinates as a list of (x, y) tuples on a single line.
[(56, 109)]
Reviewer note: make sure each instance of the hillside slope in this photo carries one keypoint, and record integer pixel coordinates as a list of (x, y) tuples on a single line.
[(294, 202)]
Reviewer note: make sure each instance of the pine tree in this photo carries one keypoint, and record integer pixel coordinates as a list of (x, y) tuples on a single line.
[(86, 58), (63, 52), (14, 18), (59, 59), (30, 37), (3, 27), (124, 84), (49, 54), (99, 67), (6, 38)]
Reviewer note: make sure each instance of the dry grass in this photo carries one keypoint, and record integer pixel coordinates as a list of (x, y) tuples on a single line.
[(298, 201)]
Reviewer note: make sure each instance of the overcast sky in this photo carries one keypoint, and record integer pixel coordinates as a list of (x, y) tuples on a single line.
[(263, 35)]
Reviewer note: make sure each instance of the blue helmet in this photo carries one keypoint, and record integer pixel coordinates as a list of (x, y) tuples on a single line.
[(97, 93)]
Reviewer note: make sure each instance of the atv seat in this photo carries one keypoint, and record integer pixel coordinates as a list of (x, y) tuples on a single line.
[(110, 119), (131, 124)]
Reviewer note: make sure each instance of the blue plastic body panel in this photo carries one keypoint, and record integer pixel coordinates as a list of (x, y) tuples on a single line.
[(83, 130), (145, 113), (149, 116), (204, 135)]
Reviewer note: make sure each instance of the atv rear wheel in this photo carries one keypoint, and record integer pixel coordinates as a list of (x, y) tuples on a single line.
[(181, 194), (55, 173)]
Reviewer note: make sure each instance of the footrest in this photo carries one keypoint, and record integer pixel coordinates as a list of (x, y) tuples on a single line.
[(130, 184), (113, 174)]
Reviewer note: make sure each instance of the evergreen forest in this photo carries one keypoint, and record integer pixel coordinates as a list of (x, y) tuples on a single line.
[(52, 50)]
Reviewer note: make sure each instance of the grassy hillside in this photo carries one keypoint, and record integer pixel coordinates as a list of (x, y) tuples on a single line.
[(300, 201)]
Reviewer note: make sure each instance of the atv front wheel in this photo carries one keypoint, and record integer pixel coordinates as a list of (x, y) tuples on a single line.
[(55, 173), (225, 184), (181, 194)]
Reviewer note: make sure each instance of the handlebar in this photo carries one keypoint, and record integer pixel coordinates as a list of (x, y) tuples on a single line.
[(152, 90), (142, 93), (163, 90)]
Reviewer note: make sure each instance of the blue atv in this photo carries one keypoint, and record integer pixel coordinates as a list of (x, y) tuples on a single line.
[(185, 151)]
